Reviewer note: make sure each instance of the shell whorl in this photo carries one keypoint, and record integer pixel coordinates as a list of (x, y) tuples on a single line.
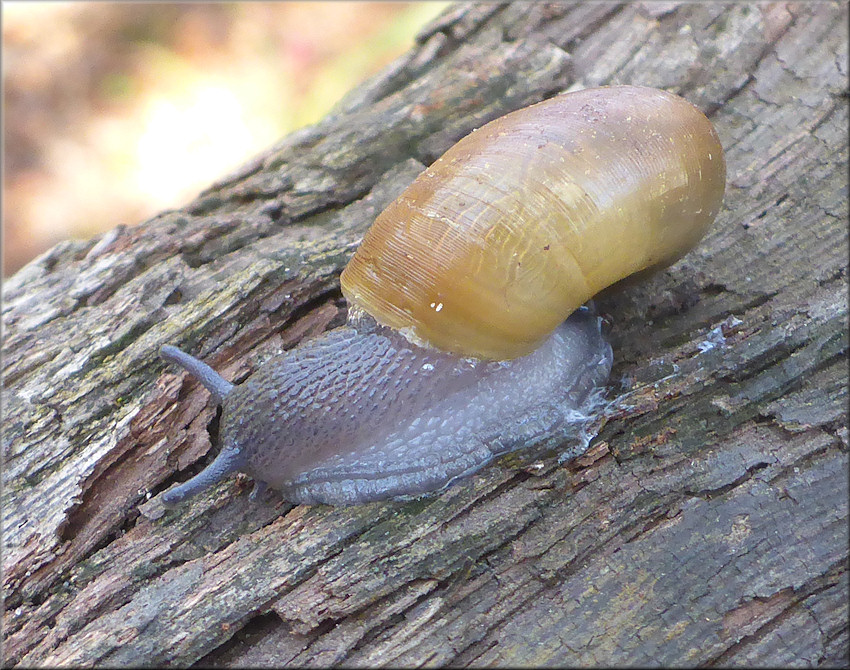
[(529, 216)]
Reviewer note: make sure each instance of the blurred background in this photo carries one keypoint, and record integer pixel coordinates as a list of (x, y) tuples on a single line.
[(115, 111)]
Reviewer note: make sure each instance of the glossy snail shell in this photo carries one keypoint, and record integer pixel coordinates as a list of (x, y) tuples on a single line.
[(526, 218)]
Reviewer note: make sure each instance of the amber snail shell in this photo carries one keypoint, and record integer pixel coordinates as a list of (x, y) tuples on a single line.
[(458, 345), (528, 217)]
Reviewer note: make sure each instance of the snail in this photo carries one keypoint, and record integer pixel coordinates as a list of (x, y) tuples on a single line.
[(466, 336)]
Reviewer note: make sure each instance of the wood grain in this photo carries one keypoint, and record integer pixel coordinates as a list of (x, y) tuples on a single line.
[(707, 524)]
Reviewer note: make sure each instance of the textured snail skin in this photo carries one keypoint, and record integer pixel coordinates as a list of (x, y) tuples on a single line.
[(458, 345), (531, 215), (360, 414)]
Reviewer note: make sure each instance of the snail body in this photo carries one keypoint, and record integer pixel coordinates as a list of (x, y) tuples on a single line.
[(465, 338)]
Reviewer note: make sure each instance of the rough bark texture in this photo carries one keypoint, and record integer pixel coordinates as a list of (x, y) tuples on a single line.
[(706, 525)]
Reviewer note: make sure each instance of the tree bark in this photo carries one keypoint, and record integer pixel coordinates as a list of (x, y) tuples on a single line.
[(707, 524)]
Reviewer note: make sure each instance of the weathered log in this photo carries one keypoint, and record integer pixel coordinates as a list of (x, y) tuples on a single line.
[(706, 525)]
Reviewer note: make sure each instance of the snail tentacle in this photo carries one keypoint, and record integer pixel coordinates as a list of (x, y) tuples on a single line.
[(217, 385), (228, 461)]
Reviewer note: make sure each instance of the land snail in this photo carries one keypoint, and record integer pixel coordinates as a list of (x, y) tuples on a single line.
[(466, 335)]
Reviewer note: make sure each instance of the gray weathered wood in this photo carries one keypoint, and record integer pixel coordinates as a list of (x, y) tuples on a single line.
[(706, 525)]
